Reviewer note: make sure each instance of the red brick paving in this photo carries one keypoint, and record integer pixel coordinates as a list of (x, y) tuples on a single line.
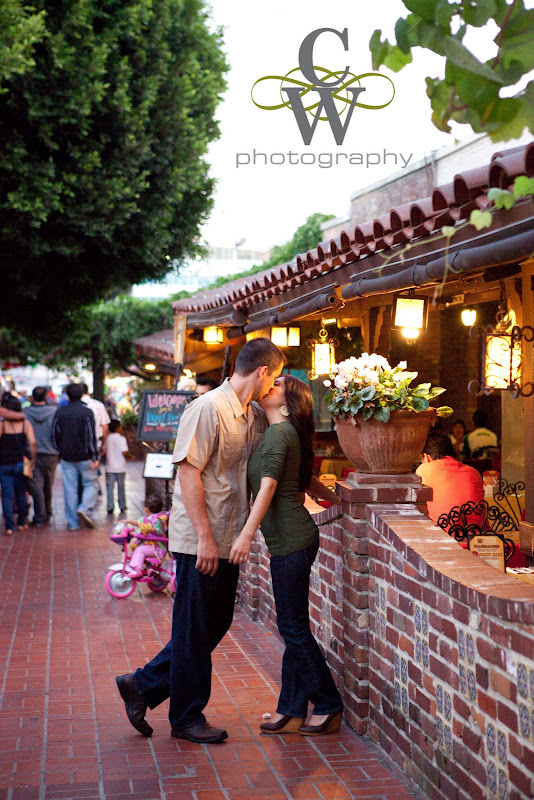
[(64, 733)]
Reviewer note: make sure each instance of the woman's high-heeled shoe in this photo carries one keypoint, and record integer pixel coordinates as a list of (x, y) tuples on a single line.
[(330, 725), (287, 724)]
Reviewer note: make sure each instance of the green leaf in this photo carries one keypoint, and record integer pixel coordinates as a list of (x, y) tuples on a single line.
[(480, 219), (518, 37), (366, 413), (444, 411), (524, 118), (355, 405), (478, 12), (426, 9), (463, 58), (419, 404), (396, 59), (444, 13), (523, 186), (382, 414), (436, 391), (422, 389), (368, 393), (501, 198)]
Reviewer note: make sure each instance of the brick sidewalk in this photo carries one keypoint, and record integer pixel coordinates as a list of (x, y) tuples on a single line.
[(64, 733)]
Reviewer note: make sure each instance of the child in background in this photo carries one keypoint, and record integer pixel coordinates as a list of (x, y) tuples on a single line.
[(116, 455), (154, 522)]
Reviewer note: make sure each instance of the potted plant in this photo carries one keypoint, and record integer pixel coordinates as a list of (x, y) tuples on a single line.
[(381, 420)]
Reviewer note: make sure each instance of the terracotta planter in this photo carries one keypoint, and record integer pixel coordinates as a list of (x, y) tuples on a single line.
[(385, 448)]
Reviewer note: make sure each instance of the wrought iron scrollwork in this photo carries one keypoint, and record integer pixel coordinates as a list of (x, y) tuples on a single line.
[(479, 519), (506, 496)]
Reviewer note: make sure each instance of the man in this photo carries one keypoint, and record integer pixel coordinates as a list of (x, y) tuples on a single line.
[(481, 437), (41, 417), (73, 434), (102, 419), (216, 435), (205, 385), (453, 483)]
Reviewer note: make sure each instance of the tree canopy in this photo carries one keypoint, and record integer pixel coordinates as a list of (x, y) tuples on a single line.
[(471, 90), (106, 118)]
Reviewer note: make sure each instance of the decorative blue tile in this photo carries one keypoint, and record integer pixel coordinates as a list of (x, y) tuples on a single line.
[(470, 649), (463, 678), (383, 597), (503, 785), (492, 777), (522, 680), (418, 650), (439, 699), (377, 597), (404, 670), (404, 696), (447, 737), (491, 739), (383, 626), (502, 748), (424, 654), (531, 677), (461, 644), (397, 694), (439, 732), (417, 619), (447, 704), (524, 720), (424, 622), (471, 685), (397, 665)]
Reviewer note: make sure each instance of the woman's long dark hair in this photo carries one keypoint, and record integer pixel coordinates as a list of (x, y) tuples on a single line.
[(299, 401), (10, 402)]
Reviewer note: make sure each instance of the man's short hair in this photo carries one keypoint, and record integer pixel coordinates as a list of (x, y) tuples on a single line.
[(75, 391), (259, 353), (114, 425), (438, 445), (85, 388), (211, 382), (39, 394)]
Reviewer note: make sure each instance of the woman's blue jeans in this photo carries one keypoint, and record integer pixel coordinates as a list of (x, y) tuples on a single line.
[(14, 485), (305, 674)]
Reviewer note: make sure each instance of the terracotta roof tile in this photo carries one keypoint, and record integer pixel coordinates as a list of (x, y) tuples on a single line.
[(447, 204)]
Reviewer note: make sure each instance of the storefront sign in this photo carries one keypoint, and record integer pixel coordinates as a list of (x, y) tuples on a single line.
[(161, 412), (490, 549)]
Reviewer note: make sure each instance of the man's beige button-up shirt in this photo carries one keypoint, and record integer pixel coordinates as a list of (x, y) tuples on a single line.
[(217, 437)]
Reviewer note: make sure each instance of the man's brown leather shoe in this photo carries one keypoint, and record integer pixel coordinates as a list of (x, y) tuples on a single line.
[(201, 733), (134, 703)]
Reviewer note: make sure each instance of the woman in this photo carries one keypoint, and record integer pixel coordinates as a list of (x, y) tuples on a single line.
[(17, 440), (458, 438), (279, 470)]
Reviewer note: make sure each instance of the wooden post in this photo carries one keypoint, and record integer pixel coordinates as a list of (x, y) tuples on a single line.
[(180, 325)]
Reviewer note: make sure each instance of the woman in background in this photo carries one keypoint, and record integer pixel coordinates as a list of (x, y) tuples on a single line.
[(17, 440)]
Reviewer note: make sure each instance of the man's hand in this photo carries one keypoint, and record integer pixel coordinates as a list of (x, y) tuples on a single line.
[(94, 464), (240, 550), (207, 556)]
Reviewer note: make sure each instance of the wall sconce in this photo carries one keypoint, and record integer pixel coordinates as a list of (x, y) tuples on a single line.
[(410, 312), (150, 367), (468, 317), (502, 356), (213, 335), (323, 354), (285, 337)]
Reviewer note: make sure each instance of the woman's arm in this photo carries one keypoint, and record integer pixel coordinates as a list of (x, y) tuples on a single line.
[(30, 435), (318, 489), (241, 546)]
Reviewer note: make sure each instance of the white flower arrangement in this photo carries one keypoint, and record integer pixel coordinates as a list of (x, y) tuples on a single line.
[(369, 386)]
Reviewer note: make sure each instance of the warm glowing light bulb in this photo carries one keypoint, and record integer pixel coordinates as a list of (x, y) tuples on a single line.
[(469, 317), (410, 333)]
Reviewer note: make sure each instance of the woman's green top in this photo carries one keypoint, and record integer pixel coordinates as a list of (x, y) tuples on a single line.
[(287, 526)]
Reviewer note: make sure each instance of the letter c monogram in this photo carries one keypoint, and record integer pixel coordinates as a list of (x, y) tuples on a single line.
[(306, 56)]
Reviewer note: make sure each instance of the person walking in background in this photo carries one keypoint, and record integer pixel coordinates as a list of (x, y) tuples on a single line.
[(17, 441), (279, 470), (205, 385), (73, 434), (102, 419), (116, 455), (41, 416)]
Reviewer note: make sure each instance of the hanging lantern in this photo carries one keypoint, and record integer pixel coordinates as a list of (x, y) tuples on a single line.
[(285, 337), (213, 335), (410, 312), (323, 355)]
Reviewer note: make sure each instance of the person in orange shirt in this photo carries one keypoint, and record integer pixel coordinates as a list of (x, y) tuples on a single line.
[(453, 483)]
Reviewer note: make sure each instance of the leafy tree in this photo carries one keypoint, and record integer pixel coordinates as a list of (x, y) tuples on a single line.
[(21, 30), (102, 180), (470, 91)]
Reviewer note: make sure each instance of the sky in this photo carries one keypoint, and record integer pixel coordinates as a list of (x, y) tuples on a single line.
[(264, 204)]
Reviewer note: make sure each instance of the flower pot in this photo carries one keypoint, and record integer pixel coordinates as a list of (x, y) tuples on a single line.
[(385, 448)]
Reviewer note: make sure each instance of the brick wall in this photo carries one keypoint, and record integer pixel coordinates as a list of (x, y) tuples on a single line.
[(432, 649)]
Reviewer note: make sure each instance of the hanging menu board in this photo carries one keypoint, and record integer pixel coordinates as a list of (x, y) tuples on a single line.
[(161, 412)]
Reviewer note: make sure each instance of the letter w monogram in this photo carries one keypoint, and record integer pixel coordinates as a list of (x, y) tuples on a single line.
[(307, 130)]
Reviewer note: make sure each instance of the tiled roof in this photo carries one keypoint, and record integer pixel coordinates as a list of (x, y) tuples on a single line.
[(415, 220), (158, 345)]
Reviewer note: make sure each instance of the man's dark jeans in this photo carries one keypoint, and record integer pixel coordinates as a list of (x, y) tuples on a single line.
[(41, 486), (305, 674), (203, 612)]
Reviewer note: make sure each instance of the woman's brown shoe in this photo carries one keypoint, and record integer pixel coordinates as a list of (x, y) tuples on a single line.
[(287, 724), (330, 725)]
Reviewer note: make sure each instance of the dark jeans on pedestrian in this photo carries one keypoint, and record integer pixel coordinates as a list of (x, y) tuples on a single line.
[(305, 674), (203, 612), (14, 485), (113, 478), (41, 486)]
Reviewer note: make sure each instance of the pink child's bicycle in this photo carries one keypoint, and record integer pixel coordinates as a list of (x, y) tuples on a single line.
[(157, 573)]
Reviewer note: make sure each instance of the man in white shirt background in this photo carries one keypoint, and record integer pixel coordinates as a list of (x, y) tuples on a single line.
[(102, 419)]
